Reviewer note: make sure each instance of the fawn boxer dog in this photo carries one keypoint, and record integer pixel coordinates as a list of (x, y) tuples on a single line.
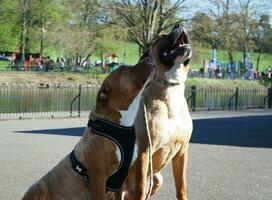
[(96, 164), (168, 117)]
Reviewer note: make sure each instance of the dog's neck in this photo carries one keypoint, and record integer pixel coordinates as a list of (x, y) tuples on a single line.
[(121, 117), (176, 74), (128, 116)]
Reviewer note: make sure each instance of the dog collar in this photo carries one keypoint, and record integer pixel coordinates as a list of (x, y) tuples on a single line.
[(124, 137), (165, 82)]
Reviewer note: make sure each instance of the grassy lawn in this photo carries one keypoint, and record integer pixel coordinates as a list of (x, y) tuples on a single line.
[(131, 52), (204, 82), (3, 65), (128, 52)]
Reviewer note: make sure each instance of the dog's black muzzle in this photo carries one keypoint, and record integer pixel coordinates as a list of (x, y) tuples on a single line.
[(176, 32)]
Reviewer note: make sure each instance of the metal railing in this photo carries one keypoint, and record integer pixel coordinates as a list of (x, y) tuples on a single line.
[(28, 101), (212, 98), (31, 101)]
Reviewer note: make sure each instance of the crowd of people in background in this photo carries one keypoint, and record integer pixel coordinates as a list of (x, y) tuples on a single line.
[(41, 63), (35, 63), (221, 70), (267, 73), (230, 74)]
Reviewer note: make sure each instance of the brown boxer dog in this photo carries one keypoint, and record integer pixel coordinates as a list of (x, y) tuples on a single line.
[(168, 117), (83, 174)]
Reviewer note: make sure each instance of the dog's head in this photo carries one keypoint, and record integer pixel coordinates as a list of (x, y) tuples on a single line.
[(119, 95), (171, 53)]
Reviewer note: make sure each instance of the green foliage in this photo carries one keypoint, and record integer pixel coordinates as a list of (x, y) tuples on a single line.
[(201, 30), (72, 27), (266, 81), (8, 37)]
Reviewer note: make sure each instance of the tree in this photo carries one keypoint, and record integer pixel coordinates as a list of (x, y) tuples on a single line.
[(262, 36), (244, 26), (78, 35), (1, 11), (145, 19), (225, 25), (9, 30), (202, 30)]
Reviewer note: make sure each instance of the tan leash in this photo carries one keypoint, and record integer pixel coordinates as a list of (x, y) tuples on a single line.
[(150, 152)]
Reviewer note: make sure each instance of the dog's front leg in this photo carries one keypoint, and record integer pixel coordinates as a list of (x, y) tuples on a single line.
[(179, 165), (97, 187), (144, 154), (135, 185), (141, 176)]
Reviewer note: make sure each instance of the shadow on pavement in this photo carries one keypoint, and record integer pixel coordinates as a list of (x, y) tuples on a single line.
[(77, 131), (242, 131)]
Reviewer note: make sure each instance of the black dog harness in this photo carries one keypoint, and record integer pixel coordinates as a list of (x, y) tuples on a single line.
[(124, 138)]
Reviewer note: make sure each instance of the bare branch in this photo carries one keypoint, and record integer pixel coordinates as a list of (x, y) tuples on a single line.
[(145, 19)]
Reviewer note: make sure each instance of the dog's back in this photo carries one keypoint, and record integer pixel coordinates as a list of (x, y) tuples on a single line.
[(59, 183)]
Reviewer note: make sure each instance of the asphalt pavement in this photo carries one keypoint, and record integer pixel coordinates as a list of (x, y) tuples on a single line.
[(230, 155)]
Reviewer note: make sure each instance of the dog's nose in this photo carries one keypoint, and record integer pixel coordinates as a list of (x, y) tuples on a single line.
[(175, 33), (178, 27), (148, 60)]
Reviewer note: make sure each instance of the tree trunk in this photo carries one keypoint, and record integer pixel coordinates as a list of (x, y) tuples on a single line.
[(244, 57), (42, 28), (23, 32), (230, 56), (258, 59)]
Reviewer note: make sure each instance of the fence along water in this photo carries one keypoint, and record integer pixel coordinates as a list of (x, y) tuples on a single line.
[(211, 98), (31, 101), (28, 101)]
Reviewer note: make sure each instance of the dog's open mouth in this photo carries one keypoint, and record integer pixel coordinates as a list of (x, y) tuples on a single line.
[(178, 37), (178, 45)]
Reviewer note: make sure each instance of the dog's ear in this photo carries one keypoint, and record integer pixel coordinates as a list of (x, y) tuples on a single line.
[(104, 93)]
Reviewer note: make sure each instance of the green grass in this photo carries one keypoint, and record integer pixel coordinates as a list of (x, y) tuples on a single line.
[(3, 65), (199, 54), (205, 83), (127, 52), (131, 51)]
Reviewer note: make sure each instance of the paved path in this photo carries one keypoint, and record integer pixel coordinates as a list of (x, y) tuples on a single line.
[(230, 158)]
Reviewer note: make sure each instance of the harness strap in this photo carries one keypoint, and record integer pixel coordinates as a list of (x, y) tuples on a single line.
[(124, 137), (78, 167)]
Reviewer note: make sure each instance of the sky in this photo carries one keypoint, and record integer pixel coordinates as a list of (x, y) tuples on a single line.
[(259, 6)]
